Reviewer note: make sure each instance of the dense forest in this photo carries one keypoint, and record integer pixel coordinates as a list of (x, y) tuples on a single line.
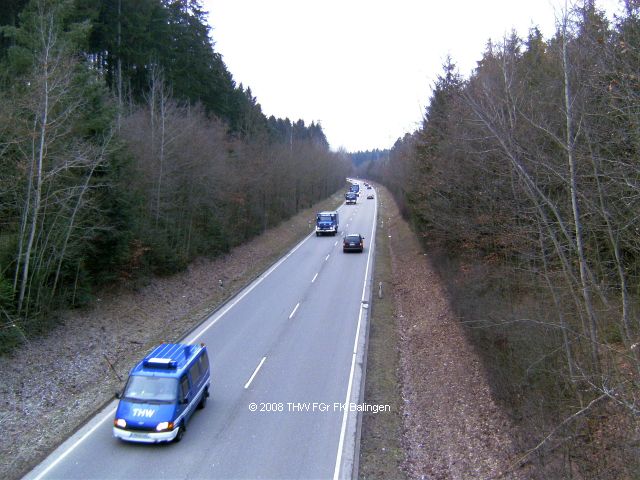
[(127, 149), (527, 174)]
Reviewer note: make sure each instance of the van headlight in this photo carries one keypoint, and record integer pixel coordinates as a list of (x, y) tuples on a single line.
[(164, 426), (120, 422)]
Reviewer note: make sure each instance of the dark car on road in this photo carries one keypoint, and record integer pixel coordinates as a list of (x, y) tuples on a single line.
[(354, 242), (370, 196)]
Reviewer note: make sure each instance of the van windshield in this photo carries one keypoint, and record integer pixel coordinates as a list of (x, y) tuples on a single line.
[(324, 218), (158, 389)]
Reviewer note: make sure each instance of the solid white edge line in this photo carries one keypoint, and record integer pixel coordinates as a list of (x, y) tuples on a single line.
[(345, 415), (314, 278), (294, 311), (255, 372), (110, 413)]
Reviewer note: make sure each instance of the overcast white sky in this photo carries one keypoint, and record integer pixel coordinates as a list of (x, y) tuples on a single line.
[(364, 69)]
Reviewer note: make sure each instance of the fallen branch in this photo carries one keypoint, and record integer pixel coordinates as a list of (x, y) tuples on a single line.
[(112, 367)]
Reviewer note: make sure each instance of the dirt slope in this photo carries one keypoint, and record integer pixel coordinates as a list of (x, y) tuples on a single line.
[(452, 427)]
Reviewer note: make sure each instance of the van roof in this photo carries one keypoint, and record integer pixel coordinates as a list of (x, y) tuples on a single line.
[(167, 360)]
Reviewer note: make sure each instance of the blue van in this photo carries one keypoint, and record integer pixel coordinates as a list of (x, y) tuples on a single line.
[(162, 393)]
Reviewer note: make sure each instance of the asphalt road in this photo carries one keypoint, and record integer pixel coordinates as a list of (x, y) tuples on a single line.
[(289, 346)]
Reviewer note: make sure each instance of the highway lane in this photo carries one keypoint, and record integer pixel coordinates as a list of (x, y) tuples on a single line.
[(299, 323)]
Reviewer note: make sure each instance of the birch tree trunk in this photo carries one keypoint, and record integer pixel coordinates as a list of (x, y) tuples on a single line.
[(46, 66), (575, 207)]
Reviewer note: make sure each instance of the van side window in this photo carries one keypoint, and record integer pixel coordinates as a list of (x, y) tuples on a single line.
[(194, 371), (184, 387), (204, 363)]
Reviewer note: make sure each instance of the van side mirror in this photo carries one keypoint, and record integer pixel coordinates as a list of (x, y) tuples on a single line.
[(118, 394)]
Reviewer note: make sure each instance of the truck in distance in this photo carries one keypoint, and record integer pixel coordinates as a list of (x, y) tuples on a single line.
[(351, 198), (326, 223)]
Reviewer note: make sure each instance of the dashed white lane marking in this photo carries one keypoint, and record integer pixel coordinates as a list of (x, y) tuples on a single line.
[(255, 372)]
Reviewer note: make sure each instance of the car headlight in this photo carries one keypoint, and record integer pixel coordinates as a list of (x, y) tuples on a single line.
[(164, 426), (120, 422)]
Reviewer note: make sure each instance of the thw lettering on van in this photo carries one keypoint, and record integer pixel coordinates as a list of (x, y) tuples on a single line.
[(143, 412)]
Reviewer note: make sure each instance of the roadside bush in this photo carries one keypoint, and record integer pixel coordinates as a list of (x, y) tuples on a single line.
[(508, 317)]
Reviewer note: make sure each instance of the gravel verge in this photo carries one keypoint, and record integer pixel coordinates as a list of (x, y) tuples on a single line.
[(381, 448)]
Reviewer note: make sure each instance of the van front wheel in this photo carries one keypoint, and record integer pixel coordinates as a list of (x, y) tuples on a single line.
[(180, 434), (203, 401)]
